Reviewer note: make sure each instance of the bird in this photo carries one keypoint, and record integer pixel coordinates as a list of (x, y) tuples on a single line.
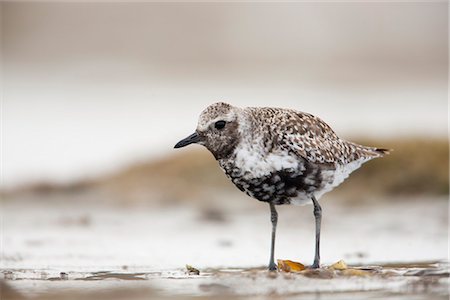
[(279, 156)]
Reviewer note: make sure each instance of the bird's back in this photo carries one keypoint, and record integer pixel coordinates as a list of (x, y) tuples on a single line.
[(306, 135), (286, 156)]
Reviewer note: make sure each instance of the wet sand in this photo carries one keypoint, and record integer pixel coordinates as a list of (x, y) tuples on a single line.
[(62, 251), (408, 281)]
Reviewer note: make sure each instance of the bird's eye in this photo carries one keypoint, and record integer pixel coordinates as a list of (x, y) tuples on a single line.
[(220, 124)]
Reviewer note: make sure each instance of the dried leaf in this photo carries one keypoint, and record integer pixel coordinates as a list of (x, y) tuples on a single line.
[(340, 265), (290, 266), (191, 270)]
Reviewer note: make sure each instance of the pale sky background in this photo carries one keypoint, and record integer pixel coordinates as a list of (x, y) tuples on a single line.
[(89, 88)]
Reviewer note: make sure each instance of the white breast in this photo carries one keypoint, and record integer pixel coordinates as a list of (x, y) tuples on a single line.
[(255, 162)]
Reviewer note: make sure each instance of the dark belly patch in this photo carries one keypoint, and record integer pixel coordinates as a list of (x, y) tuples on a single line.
[(279, 187)]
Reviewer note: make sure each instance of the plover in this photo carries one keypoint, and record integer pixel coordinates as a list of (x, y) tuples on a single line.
[(279, 156)]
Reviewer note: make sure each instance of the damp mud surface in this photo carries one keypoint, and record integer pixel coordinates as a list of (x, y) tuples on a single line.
[(428, 280), (62, 251)]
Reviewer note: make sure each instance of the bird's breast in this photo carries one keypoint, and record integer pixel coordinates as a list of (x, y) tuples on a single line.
[(254, 161), (276, 177)]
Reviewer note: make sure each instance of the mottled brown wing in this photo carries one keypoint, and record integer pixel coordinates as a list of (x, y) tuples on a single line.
[(309, 137), (314, 140)]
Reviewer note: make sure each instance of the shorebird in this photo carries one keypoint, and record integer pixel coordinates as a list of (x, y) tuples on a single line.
[(279, 156)]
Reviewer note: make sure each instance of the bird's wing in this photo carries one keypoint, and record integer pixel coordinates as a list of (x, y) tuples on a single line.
[(311, 138)]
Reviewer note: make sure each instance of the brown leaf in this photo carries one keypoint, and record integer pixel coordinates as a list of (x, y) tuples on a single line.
[(340, 265), (290, 266)]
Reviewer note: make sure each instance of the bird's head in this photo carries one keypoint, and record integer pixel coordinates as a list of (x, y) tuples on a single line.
[(217, 130)]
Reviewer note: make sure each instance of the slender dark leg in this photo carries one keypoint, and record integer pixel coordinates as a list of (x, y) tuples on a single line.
[(318, 217), (274, 219)]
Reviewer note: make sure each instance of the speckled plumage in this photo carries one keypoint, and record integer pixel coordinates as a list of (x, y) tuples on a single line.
[(280, 155)]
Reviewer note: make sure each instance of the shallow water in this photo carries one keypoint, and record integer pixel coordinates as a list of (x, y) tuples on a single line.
[(62, 251), (414, 281)]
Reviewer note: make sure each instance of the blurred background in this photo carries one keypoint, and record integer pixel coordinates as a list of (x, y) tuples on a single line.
[(95, 95), (90, 88)]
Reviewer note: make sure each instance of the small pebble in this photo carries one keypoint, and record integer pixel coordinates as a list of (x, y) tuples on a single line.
[(191, 270)]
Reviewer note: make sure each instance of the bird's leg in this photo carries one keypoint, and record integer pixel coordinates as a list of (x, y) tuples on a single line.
[(318, 217), (274, 219)]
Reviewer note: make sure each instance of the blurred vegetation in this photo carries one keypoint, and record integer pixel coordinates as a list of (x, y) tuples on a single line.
[(415, 168)]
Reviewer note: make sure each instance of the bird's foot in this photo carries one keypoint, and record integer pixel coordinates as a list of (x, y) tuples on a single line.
[(272, 267), (315, 265)]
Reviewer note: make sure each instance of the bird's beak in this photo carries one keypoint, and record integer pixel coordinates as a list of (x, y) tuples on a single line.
[(193, 138)]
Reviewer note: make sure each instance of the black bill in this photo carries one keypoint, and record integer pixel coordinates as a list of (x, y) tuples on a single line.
[(193, 138)]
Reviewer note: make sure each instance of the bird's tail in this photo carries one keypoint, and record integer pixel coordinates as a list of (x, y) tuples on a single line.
[(382, 151), (370, 152)]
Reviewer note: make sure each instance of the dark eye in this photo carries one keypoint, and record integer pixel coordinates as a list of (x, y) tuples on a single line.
[(220, 124)]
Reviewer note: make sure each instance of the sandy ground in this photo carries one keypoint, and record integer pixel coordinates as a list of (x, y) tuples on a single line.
[(403, 247)]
